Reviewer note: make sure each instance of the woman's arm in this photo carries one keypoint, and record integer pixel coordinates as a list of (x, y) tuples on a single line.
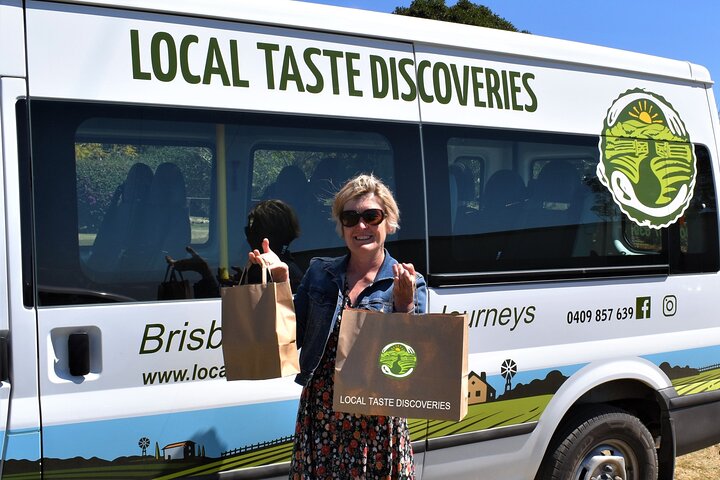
[(404, 287), (420, 294), (301, 308)]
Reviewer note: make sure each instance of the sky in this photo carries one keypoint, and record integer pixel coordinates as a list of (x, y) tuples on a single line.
[(682, 30)]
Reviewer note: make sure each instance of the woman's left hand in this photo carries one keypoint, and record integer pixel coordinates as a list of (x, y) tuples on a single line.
[(403, 287)]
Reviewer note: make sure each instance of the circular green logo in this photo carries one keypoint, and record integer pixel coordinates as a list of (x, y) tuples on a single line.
[(646, 159), (397, 360)]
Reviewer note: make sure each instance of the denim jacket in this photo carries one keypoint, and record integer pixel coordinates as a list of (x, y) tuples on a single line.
[(319, 300)]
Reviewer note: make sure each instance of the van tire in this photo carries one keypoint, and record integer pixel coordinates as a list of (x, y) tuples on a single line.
[(578, 448)]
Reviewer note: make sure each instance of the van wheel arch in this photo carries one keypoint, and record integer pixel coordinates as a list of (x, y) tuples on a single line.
[(632, 397)]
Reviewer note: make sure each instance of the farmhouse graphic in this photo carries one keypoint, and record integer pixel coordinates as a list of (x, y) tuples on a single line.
[(479, 391)]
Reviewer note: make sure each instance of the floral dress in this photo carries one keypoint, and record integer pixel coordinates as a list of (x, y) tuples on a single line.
[(335, 445)]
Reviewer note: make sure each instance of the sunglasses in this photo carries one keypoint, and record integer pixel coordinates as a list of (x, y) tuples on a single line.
[(371, 216)]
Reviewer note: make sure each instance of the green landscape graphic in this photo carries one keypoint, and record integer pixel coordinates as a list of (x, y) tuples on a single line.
[(646, 159), (517, 404), (705, 380), (397, 360)]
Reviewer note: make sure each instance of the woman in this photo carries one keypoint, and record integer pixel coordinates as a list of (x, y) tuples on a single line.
[(331, 444), (276, 221), (271, 220)]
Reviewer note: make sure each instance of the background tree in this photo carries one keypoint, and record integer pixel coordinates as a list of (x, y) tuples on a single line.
[(464, 11), (101, 168)]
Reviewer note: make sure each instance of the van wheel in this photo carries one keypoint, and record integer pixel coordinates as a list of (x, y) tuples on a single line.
[(601, 443)]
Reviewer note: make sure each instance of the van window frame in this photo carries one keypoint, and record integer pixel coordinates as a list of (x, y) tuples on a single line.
[(52, 139), (664, 262)]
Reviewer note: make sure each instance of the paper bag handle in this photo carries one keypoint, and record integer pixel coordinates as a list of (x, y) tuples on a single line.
[(265, 271), (171, 274)]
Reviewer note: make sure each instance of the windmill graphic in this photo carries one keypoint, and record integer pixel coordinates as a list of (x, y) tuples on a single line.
[(144, 443), (508, 369)]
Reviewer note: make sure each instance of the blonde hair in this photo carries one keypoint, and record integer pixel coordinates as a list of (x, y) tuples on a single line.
[(359, 187)]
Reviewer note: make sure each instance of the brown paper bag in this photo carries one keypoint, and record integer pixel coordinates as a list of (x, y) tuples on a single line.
[(402, 365), (258, 331), (174, 286)]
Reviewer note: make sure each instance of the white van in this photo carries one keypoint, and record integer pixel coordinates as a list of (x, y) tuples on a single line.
[(563, 195)]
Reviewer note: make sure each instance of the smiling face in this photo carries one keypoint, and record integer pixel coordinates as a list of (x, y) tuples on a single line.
[(364, 239)]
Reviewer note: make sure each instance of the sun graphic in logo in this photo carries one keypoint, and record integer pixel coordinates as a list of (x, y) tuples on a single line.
[(644, 112), (397, 360), (647, 160)]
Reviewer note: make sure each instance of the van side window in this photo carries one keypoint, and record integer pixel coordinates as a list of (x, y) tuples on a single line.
[(308, 179), (541, 213), (134, 200), (466, 187), (117, 189), (695, 235)]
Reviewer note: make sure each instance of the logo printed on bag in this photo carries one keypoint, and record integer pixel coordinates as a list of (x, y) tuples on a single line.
[(397, 360)]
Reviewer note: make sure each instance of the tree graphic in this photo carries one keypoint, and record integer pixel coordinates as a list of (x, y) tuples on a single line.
[(157, 451)]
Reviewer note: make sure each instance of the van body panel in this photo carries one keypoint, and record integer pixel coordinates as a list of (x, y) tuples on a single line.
[(12, 39), (572, 361), (499, 457), (495, 90), (21, 420), (213, 64), (592, 283), (391, 27), (5, 384)]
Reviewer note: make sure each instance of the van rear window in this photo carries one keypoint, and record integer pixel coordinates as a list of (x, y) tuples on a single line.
[(534, 208)]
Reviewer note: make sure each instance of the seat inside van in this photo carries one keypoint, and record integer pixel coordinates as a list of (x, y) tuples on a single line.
[(148, 220), (120, 225)]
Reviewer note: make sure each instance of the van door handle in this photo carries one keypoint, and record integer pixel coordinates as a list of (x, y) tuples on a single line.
[(79, 354)]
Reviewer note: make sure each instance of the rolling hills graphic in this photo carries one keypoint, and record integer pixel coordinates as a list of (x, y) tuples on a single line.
[(522, 403)]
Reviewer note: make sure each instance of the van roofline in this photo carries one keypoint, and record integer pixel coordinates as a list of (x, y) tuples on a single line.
[(387, 26)]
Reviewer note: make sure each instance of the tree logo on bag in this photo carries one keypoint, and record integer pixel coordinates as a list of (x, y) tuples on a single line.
[(646, 159), (397, 360)]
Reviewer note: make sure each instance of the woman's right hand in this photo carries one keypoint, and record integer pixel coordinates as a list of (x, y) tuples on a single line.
[(278, 269)]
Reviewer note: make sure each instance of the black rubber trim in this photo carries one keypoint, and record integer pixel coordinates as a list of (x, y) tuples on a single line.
[(440, 280), (694, 400), (480, 436), (694, 418)]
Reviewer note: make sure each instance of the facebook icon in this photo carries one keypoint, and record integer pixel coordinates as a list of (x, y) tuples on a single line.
[(642, 307)]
